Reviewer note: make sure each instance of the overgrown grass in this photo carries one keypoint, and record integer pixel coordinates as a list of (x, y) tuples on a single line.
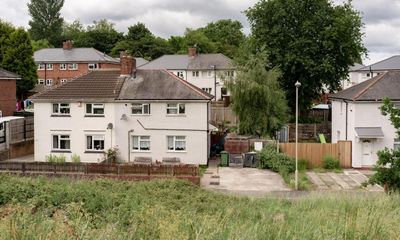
[(104, 209)]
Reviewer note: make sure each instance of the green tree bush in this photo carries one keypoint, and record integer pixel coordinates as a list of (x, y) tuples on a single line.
[(329, 162)]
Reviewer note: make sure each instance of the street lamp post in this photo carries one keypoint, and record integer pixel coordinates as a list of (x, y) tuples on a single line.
[(297, 84)]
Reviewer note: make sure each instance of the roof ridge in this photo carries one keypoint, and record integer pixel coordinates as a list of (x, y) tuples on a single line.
[(368, 66), (379, 77), (198, 90)]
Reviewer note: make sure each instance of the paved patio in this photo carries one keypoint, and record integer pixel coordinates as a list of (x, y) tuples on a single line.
[(350, 179)]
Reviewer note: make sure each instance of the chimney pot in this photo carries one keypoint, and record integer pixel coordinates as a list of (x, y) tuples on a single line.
[(192, 52), (128, 64), (67, 45)]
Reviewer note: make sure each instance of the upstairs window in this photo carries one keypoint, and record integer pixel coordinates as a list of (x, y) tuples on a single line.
[(207, 90), (61, 108), (72, 66), (140, 108), (61, 142), (95, 109), (179, 74), (95, 142), (230, 73), (141, 143), (63, 66), (49, 66), (175, 108), (176, 143), (93, 66), (41, 66), (196, 74)]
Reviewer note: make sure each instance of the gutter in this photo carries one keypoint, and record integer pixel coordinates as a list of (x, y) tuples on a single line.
[(172, 129), (347, 118)]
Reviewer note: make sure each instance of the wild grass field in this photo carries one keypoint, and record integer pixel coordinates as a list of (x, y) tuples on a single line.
[(103, 209)]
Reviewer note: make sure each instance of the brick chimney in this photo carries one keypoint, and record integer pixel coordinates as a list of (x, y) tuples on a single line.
[(192, 52), (128, 64), (67, 45)]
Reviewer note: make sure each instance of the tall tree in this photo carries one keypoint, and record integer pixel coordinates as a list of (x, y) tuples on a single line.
[(102, 36), (138, 31), (75, 32), (40, 44), (46, 20), (313, 42), (5, 31), (18, 58), (257, 97)]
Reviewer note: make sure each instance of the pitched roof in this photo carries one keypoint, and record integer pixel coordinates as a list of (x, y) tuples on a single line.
[(184, 62), (374, 89), (160, 85), (356, 67), (98, 84), (4, 74), (108, 85), (391, 63), (56, 55)]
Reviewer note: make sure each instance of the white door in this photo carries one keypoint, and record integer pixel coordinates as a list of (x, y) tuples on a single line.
[(367, 153)]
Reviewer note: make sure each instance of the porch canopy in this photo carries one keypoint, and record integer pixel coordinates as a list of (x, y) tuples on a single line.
[(369, 132)]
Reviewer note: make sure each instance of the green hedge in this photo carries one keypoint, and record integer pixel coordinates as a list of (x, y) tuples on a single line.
[(277, 162)]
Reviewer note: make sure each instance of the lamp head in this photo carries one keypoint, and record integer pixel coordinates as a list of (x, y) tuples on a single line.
[(297, 84)]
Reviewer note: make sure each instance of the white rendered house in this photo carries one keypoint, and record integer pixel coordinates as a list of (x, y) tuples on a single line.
[(206, 71), (146, 114), (356, 117)]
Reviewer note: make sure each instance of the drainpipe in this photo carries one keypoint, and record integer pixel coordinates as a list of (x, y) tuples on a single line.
[(215, 82), (347, 117), (208, 133), (129, 145)]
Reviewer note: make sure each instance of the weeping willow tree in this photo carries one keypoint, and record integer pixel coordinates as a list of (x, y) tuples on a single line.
[(258, 99)]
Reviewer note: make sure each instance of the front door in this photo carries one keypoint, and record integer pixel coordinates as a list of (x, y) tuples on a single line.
[(367, 153)]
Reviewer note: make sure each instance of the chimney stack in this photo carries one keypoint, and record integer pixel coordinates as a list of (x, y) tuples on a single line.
[(128, 64), (67, 45), (192, 51)]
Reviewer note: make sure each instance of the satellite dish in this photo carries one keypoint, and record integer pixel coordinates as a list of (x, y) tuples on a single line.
[(110, 126)]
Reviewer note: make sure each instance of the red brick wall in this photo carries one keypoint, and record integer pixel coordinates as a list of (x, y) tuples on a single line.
[(8, 93), (56, 74)]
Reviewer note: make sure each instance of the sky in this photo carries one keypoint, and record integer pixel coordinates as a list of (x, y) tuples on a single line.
[(171, 17)]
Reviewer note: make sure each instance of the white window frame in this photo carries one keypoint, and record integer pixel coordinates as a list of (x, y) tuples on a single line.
[(207, 90), (140, 140), (94, 137), (230, 73), (41, 66), (49, 82), (60, 137), (196, 74), (63, 66), (60, 107), (180, 74), (175, 140), (50, 66), (94, 106), (72, 66), (64, 80), (143, 108), (177, 108), (41, 81), (93, 66)]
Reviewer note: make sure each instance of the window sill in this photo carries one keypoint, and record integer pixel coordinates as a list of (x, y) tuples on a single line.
[(140, 151), (140, 115), (60, 115), (92, 151), (171, 151), (61, 151), (176, 115), (94, 116)]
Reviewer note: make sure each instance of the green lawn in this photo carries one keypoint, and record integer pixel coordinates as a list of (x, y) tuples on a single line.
[(104, 209)]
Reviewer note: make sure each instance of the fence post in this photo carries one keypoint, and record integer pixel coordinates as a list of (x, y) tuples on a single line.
[(24, 129), (23, 167)]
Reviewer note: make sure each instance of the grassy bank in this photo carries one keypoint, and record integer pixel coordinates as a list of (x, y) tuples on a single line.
[(102, 209)]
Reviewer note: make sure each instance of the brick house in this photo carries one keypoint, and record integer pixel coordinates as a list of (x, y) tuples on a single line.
[(59, 65), (8, 89)]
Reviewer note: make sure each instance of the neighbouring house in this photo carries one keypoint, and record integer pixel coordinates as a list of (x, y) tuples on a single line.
[(8, 92), (59, 65), (206, 71), (356, 117), (149, 115), (359, 73)]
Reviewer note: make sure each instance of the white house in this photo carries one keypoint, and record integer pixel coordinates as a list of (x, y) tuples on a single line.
[(356, 117), (359, 73), (146, 114), (206, 71)]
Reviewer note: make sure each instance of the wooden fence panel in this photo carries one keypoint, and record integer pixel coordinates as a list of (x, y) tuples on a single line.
[(313, 153)]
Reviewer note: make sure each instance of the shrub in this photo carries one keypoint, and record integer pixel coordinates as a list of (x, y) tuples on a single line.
[(269, 158), (61, 159), (302, 165), (55, 159), (387, 170), (330, 162), (75, 158)]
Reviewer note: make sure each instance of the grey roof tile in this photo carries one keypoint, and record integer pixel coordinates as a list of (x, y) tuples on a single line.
[(184, 62), (374, 89), (391, 63), (4, 74), (57, 55)]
